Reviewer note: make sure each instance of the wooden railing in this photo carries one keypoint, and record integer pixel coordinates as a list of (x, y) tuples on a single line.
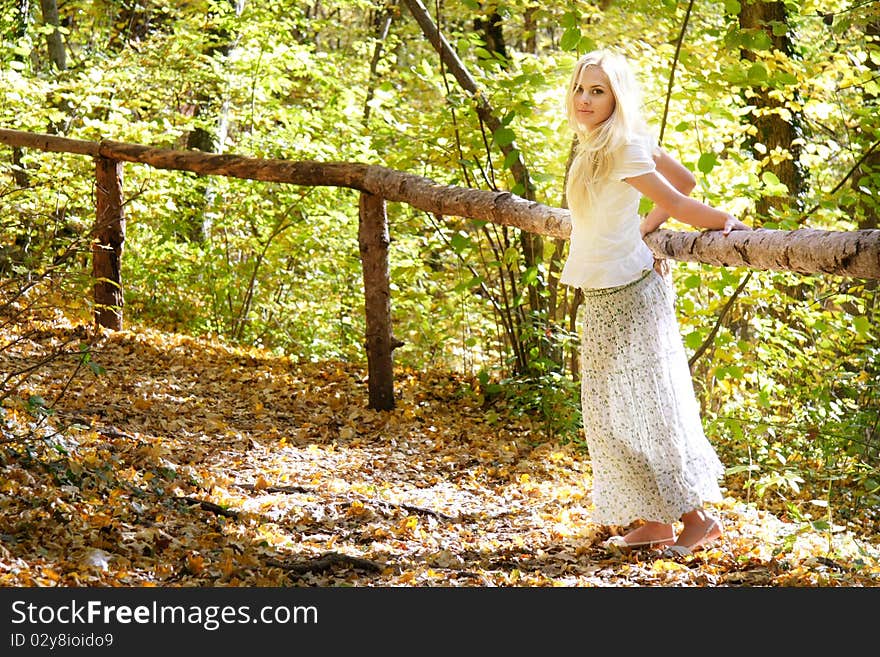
[(806, 251)]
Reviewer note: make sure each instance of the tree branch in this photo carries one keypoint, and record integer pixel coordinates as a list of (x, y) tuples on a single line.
[(727, 306), (679, 41), (467, 82)]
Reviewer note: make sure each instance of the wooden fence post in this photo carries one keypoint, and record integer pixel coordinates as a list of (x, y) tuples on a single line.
[(107, 239), (373, 240)]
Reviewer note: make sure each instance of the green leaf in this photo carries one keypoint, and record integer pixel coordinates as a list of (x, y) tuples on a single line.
[(770, 179), (707, 162), (570, 19), (735, 372), (511, 158), (693, 340), (586, 44), (758, 40), (757, 73), (785, 78), (736, 469), (503, 136), (511, 255), (780, 28), (529, 276), (692, 281), (732, 7), (862, 325), (570, 38), (736, 430), (459, 242)]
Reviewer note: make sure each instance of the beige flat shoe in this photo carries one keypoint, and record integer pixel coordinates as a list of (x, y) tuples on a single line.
[(713, 531), (621, 543)]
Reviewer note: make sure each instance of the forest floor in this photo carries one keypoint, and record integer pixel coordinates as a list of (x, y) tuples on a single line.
[(189, 463)]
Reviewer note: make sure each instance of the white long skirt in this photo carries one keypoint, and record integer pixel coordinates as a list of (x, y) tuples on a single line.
[(650, 457)]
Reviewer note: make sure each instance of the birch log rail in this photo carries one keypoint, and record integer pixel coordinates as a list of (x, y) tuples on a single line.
[(806, 251)]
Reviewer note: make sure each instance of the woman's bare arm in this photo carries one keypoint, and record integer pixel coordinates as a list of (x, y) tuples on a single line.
[(674, 203), (677, 175)]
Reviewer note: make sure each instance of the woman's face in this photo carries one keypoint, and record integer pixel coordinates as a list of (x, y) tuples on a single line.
[(593, 100)]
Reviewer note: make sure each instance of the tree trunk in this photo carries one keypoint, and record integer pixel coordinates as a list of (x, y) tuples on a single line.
[(54, 42), (530, 28), (868, 174), (109, 235), (572, 298), (776, 134), (373, 241)]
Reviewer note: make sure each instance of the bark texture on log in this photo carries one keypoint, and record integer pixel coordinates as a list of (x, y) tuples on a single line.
[(422, 193), (48, 143), (805, 251), (498, 207), (373, 240), (329, 174), (109, 235)]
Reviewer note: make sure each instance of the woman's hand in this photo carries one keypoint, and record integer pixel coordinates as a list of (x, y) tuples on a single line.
[(649, 224), (732, 223)]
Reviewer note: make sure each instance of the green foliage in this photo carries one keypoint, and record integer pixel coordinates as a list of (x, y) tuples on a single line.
[(551, 400), (789, 386)]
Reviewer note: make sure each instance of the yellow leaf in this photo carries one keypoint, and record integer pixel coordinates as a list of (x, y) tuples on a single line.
[(143, 404), (227, 566), (195, 563)]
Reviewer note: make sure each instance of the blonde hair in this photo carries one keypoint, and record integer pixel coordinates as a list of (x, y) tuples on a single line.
[(594, 156)]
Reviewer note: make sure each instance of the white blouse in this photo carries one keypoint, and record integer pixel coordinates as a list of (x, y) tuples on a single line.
[(606, 247)]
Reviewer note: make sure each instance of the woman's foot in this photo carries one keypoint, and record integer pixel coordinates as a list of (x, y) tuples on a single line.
[(699, 529), (648, 535)]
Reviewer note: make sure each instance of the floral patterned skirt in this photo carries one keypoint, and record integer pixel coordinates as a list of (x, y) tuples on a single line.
[(650, 457)]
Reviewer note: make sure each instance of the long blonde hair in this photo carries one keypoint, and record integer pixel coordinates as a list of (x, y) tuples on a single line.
[(594, 156)]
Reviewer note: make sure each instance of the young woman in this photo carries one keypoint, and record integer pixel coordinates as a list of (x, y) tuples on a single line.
[(651, 460)]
